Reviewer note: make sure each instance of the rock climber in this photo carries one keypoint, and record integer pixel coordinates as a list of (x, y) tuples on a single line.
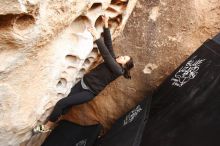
[(95, 80)]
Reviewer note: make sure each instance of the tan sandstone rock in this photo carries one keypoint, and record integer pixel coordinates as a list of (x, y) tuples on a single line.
[(45, 49)]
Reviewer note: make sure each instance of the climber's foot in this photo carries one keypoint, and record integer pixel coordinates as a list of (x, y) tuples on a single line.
[(41, 129)]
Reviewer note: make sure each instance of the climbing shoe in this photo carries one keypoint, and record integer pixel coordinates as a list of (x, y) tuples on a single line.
[(41, 129)]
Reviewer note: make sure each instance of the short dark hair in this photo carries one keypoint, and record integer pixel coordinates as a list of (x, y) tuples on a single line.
[(127, 67)]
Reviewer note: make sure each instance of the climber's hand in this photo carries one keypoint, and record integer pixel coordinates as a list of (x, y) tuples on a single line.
[(94, 32), (105, 19)]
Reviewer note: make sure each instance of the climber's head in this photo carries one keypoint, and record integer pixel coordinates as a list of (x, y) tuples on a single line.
[(127, 64)]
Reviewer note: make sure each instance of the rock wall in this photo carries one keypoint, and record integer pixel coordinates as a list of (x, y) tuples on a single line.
[(45, 49), (160, 34)]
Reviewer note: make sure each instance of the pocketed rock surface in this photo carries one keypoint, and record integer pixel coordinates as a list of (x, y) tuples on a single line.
[(45, 49)]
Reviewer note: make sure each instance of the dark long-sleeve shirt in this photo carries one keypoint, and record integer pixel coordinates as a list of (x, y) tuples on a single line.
[(99, 77), (108, 41)]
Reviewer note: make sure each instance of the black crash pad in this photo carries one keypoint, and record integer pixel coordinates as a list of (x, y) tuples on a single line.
[(71, 134)]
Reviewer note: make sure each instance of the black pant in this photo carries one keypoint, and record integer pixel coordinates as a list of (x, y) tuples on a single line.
[(77, 95)]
